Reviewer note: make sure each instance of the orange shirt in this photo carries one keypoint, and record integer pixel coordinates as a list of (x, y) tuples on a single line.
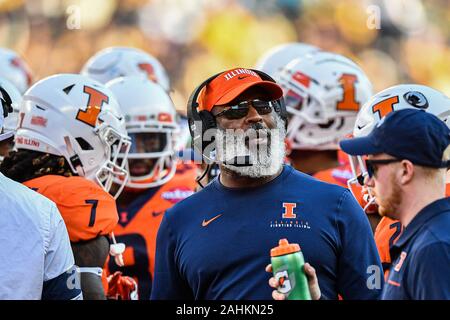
[(340, 175), (139, 223), (88, 210), (386, 233)]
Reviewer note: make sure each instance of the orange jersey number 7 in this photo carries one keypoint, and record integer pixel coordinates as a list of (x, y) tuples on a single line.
[(93, 211)]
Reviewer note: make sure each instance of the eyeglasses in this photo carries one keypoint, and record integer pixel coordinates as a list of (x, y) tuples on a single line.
[(241, 109), (372, 165)]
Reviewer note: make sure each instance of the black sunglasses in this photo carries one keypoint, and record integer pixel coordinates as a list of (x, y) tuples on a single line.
[(371, 165), (241, 109)]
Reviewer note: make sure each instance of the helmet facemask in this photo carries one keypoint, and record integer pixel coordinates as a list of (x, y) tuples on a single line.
[(302, 102), (117, 146), (359, 175), (153, 151)]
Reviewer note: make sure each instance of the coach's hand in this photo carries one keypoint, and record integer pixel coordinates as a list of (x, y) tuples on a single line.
[(313, 283)]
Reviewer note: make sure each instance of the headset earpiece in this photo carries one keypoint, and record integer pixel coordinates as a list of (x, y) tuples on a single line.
[(205, 117), (208, 120)]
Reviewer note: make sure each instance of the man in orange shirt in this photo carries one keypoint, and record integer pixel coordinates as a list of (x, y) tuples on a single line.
[(157, 179)]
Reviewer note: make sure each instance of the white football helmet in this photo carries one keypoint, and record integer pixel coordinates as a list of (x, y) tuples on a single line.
[(323, 93), (76, 117), (151, 123), (14, 69), (399, 97), (276, 58), (10, 122), (115, 62)]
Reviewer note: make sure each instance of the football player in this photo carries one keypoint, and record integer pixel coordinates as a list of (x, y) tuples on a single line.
[(157, 181), (69, 135), (37, 262), (405, 96), (323, 93)]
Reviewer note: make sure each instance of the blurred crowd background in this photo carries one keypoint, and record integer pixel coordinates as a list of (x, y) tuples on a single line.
[(196, 38)]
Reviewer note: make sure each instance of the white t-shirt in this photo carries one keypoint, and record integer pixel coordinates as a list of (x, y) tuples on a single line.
[(36, 259)]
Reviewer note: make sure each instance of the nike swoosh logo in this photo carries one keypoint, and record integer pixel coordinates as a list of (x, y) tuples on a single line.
[(206, 222), (242, 77), (155, 214), (359, 127)]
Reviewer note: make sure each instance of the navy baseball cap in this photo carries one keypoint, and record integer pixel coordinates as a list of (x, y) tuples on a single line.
[(410, 134)]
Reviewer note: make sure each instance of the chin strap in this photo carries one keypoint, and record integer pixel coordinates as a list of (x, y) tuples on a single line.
[(204, 173), (369, 207), (74, 158), (94, 270)]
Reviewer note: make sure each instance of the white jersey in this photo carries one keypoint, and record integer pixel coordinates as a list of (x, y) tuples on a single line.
[(36, 259)]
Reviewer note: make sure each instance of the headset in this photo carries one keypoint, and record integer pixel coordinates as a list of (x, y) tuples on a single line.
[(208, 120)]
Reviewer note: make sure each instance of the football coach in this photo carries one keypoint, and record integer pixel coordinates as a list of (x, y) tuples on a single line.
[(216, 243)]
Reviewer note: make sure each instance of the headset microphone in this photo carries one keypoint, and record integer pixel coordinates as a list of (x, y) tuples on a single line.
[(239, 161)]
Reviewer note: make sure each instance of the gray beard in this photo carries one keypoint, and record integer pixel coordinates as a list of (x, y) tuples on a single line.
[(266, 159)]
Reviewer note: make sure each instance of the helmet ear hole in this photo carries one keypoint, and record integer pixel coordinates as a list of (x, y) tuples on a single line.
[(327, 125), (84, 144), (68, 89)]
